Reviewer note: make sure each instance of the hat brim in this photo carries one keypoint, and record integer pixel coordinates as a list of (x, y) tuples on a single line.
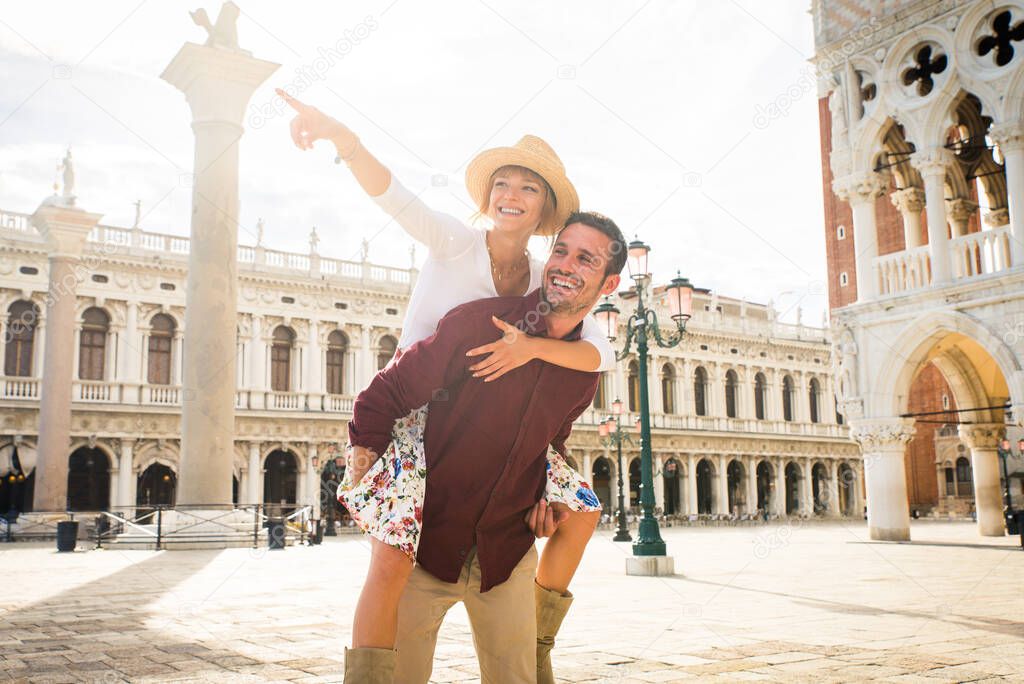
[(480, 170)]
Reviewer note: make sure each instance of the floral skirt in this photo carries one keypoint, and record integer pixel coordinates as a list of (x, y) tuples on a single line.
[(387, 503)]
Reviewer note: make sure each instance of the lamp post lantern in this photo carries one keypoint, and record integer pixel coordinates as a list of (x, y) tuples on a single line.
[(641, 327), (612, 433)]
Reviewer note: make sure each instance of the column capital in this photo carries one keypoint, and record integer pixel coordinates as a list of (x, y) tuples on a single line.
[(960, 209), (856, 188), (932, 161), (65, 229), (1008, 136), (882, 434), (997, 217), (981, 436), (908, 200)]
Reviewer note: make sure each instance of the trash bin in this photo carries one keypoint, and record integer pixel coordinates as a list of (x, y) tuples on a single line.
[(67, 535), (275, 533)]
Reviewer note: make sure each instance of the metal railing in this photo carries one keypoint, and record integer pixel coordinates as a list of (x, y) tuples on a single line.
[(167, 527)]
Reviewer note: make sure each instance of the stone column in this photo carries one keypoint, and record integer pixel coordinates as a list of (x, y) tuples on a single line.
[(367, 368), (883, 442), (255, 474), (959, 212), (314, 373), (258, 365), (751, 468), (861, 192), (779, 491), (588, 468), (722, 486), (313, 481), (833, 489), (126, 473), (64, 228), (130, 355), (217, 83), (659, 482), (806, 487), (982, 440), (691, 484), (38, 346), (1010, 138), (910, 202), (933, 164)]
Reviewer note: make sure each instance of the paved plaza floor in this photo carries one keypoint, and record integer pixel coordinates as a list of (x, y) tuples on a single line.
[(802, 602)]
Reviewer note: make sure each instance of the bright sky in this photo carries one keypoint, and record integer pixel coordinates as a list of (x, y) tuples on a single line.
[(656, 108)]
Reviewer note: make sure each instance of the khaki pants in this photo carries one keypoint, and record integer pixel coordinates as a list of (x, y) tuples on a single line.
[(503, 621)]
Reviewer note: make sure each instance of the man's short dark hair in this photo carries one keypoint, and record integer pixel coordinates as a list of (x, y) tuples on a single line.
[(615, 259)]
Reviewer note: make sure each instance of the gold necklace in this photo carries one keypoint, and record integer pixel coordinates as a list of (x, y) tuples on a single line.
[(516, 267)]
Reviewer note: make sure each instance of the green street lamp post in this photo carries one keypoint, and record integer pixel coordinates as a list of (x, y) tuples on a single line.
[(642, 326), (611, 433)]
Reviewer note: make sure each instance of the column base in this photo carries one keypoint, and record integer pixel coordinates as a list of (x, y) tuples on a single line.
[(897, 534), (650, 566)]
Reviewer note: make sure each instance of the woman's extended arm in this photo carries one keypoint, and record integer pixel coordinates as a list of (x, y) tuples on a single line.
[(593, 353), (442, 234)]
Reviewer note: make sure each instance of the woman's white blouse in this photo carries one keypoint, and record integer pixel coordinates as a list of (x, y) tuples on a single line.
[(457, 269)]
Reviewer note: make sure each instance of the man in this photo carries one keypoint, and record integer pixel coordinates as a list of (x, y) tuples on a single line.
[(486, 448)]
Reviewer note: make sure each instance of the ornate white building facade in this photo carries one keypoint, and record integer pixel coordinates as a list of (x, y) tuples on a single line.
[(743, 411), (922, 116)]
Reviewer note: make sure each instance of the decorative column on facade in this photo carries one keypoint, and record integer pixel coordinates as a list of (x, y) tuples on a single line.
[(131, 355), (932, 164), (257, 370), (959, 212), (883, 442), (366, 366), (691, 484), (39, 345), (126, 473), (806, 487), (177, 352), (314, 373), (910, 203), (659, 482), (114, 475), (833, 489), (751, 472), (254, 469), (217, 82), (983, 440), (64, 228), (722, 486), (778, 502), (861, 191), (1010, 139)]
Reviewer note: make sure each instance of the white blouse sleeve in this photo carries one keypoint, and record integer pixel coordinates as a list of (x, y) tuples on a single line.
[(592, 333), (444, 235)]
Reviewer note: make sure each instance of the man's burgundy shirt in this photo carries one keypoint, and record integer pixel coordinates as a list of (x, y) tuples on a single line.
[(486, 442)]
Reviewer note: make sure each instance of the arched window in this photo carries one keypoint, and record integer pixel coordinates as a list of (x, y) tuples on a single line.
[(337, 347), (668, 388), (700, 386), (386, 350), (601, 395), (731, 385), (21, 332), (760, 395), (281, 359), (92, 345), (787, 398), (813, 392), (633, 383), (161, 335)]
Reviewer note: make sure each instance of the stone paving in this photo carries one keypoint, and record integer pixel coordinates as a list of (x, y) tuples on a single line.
[(796, 603)]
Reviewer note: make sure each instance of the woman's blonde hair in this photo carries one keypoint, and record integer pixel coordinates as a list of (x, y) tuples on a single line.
[(550, 201)]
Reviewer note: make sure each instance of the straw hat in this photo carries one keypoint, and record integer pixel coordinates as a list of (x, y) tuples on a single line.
[(532, 153)]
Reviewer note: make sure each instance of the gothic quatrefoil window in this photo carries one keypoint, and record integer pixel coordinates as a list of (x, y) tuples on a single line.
[(929, 61), (1000, 44)]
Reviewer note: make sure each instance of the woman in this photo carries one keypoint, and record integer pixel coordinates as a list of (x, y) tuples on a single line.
[(523, 190)]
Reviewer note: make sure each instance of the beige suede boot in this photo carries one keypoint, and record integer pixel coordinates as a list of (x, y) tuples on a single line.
[(551, 609), (369, 666)]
